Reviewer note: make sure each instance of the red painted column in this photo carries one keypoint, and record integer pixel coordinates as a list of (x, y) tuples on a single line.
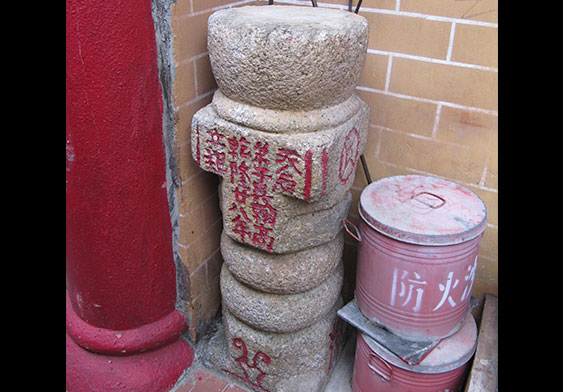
[(122, 327)]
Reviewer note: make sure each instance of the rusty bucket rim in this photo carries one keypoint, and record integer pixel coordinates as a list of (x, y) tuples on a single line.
[(421, 368)]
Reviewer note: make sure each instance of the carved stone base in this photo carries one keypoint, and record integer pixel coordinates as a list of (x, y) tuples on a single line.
[(301, 361)]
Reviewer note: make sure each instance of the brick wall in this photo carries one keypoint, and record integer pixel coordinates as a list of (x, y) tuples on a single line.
[(430, 79)]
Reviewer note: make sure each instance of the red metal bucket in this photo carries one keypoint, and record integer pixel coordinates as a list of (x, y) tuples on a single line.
[(377, 369), (419, 240)]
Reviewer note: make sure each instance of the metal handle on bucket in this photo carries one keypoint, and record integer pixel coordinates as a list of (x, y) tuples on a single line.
[(384, 377), (346, 222)]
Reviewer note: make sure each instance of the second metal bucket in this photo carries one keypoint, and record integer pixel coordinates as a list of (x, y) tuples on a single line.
[(443, 369), (419, 240)]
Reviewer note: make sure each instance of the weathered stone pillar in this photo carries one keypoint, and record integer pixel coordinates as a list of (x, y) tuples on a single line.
[(284, 131)]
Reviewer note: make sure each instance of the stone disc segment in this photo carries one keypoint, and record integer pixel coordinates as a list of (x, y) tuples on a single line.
[(299, 352), (299, 225), (307, 166), (277, 312), (288, 273), (287, 57), (286, 121)]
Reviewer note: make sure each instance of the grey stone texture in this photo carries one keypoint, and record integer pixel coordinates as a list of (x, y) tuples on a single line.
[(279, 313), (288, 273), (287, 57), (284, 132), (273, 182), (285, 121), (278, 362), (298, 224), (305, 165)]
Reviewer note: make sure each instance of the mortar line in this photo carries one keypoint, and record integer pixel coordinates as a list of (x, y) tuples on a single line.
[(464, 183), (436, 120), (422, 137), (195, 78), (388, 75), (430, 17), (432, 60), (451, 43), (428, 100), (397, 5), (396, 11), (219, 7)]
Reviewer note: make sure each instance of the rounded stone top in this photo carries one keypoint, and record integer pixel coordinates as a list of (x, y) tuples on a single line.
[(293, 17), (287, 57)]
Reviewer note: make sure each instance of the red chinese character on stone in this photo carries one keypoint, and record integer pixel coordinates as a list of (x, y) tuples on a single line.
[(291, 157), (244, 151), (215, 137), (213, 156), (263, 212), (262, 239), (233, 148), (261, 173), (260, 152), (241, 192), (241, 227), (242, 362), (215, 160), (286, 182)]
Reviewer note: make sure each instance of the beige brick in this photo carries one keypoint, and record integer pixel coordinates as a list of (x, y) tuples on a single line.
[(205, 80), (382, 4), (180, 8), (476, 130), (211, 210), (489, 243), (200, 5), (206, 306), (403, 34), (184, 86), (196, 190), (486, 278), (475, 45), (490, 198), (400, 114), (214, 266), (469, 128), (441, 82), (375, 71), (191, 226), (482, 10), (190, 36), (198, 280), (199, 251), (491, 181), (453, 162)]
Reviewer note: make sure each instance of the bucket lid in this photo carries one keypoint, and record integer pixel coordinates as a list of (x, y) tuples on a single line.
[(451, 353), (423, 210)]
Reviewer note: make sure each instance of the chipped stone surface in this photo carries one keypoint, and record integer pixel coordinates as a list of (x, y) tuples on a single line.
[(287, 57), (279, 312), (288, 273)]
